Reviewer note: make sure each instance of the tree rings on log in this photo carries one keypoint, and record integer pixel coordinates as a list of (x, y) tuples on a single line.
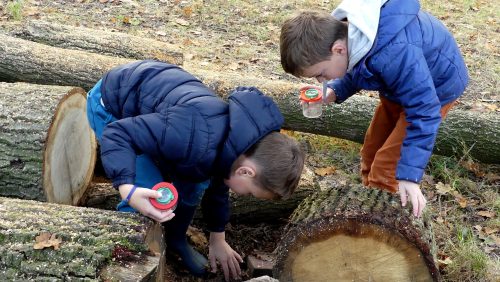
[(70, 151), (355, 234)]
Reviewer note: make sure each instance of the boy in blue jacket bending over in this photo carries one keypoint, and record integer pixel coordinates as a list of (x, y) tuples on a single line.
[(405, 54), (154, 119)]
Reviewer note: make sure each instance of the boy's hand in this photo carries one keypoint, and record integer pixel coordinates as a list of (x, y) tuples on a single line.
[(219, 250), (140, 202), (330, 96), (412, 190)]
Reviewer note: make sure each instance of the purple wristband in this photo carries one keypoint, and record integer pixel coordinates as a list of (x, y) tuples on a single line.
[(130, 194)]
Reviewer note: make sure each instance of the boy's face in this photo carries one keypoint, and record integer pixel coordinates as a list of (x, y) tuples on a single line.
[(244, 186), (334, 67)]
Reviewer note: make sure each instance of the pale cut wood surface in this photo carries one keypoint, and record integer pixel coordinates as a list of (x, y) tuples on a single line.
[(352, 233)]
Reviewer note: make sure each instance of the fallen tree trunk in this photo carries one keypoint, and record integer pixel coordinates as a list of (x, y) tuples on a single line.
[(243, 209), (98, 41), (462, 132), (80, 244), (476, 133), (47, 149), (26, 61), (355, 234)]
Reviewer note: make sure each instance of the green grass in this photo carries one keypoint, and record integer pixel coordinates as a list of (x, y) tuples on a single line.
[(469, 262), (15, 9)]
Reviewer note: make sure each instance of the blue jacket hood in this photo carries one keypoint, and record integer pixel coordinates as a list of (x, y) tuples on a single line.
[(252, 116)]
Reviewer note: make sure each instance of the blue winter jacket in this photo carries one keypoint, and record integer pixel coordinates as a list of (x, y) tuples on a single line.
[(416, 63), (191, 133)]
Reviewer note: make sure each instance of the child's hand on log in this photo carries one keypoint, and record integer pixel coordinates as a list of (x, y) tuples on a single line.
[(412, 191), (139, 200)]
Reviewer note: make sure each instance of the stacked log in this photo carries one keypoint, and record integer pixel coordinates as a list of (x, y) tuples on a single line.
[(47, 149), (478, 134), (50, 242), (102, 42)]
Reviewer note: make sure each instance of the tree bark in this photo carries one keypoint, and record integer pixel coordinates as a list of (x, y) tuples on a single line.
[(98, 41), (47, 149), (26, 61), (477, 134), (355, 234), (96, 245)]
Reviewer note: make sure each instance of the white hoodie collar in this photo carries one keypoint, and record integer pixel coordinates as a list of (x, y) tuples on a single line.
[(363, 17)]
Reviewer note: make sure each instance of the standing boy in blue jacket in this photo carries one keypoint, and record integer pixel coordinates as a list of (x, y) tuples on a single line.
[(405, 54), (154, 119)]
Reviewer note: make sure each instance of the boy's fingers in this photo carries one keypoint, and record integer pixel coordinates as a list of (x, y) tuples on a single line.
[(225, 269), (414, 204), (213, 263), (166, 216), (238, 256), (421, 205), (237, 266), (404, 197), (154, 214), (151, 193), (232, 267)]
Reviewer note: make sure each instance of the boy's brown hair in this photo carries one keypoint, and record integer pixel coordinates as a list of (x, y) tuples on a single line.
[(280, 161), (307, 38)]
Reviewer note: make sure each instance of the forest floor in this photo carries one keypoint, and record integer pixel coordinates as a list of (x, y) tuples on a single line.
[(243, 36)]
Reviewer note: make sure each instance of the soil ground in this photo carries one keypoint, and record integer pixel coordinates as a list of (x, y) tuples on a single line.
[(243, 36)]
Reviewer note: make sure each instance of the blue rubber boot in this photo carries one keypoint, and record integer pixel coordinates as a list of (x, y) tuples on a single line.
[(177, 241)]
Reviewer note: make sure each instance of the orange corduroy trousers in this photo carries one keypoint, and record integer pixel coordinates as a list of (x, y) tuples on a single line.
[(382, 146)]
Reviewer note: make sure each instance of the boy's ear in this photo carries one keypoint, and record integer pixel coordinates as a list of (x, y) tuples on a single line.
[(246, 170), (339, 47)]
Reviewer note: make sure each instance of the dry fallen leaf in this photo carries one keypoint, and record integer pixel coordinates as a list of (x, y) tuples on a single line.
[(489, 230), (187, 11), (46, 240), (462, 201), (445, 261), (443, 189), (197, 237), (325, 170), (488, 214), (182, 22)]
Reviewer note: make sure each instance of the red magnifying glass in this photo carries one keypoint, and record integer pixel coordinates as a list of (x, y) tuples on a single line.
[(169, 196)]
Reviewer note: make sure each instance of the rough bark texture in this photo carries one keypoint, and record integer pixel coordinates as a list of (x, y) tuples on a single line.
[(351, 210), (476, 133), (96, 245), (99, 41), (47, 150), (26, 112), (26, 61)]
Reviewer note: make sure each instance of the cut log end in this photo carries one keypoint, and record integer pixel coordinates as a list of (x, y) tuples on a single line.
[(356, 252), (70, 154), (351, 233)]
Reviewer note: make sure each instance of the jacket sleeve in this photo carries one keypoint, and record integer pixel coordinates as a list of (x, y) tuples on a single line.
[(215, 205), (406, 75), (153, 134), (343, 87)]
